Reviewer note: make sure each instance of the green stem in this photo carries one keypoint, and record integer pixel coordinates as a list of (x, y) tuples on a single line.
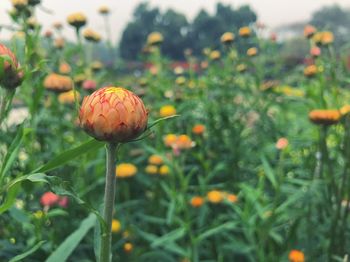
[(105, 255)]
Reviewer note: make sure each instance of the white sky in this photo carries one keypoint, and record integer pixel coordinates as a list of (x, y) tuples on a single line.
[(270, 12)]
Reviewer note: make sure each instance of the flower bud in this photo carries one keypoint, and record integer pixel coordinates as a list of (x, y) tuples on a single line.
[(11, 74), (113, 114)]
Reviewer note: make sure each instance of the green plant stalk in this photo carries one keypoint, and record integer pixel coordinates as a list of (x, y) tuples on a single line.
[(106, 239)]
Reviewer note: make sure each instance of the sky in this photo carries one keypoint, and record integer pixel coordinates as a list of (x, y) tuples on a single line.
[(272, 13)]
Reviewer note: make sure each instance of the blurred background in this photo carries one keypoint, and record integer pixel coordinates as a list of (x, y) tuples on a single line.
[(194, 24)]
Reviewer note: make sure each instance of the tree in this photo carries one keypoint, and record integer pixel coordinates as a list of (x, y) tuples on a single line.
[(178, 33)]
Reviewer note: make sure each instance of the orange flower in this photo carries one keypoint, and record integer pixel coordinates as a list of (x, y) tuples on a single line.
[(244, 31), (184, 142), (324, 116), (167, 110), (113, 114), (65, 68), (11, 74), (125, 170), (309, 31), (58, 83), (231, 198), (215, 196), (315, 51), (197, 201), (282, 143), (296, 256), (310, 70), (154, 38), (227, 38), (155, 160), (59, 43), (128, 247), (253, 51), (198, 129)]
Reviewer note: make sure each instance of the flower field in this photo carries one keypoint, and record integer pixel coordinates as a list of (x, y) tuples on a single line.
[(235, 154)]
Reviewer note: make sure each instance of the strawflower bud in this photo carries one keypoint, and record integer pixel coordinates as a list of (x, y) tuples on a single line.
[(113, 114), (12, 74)]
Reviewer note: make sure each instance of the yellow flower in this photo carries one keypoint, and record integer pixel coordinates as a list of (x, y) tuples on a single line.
[(215, 196), (253, 51), (244, 31), (296, 256), (170, 139), (96, 66), (38, 214), (181, 80), (241, 67), (327, 38), (77, 20), (227, 38), (151, 169), (125, 170), (345, 110), (164, 170), (167, 110), (91, 35), (324, 116), (215, 55), (104, 10), (116, 226), (154, 38), (68, 97), (155, 160), (128, 247), (113, 114)]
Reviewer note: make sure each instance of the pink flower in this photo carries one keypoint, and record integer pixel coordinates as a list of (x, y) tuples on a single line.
[(282, 143), (89, 85), (315, 51), (63, 202), (49, 199)]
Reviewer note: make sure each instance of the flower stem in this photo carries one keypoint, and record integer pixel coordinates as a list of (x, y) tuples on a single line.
[(105, 255)]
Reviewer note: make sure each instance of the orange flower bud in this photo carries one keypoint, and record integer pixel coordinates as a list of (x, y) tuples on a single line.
[(113, 114), (198, 129), (227, 38), (197, 201), (244, 31), (58, 83), (11, 75), (324, 117), (296, 256), (309, 31)]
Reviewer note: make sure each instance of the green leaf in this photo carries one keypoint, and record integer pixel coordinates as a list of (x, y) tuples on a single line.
[(70, 154), (169, 237), (72, 241), (217, 230), (27, 253), (269, 172), (160, 120), (13, 151), (14, 186)]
